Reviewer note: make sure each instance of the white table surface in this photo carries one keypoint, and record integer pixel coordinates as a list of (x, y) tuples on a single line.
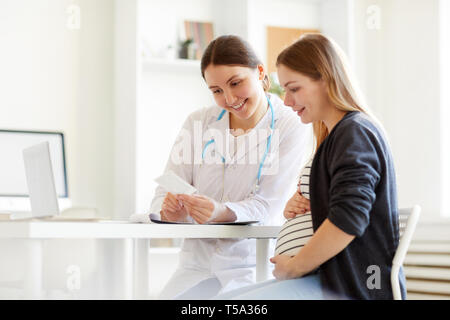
[(38, 229), (34, 231)]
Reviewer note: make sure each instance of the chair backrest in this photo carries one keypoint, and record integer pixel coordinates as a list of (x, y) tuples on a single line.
[(408, 218), (403, 216)]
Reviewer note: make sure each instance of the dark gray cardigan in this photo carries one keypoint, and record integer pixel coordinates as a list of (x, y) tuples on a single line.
[(353, 185)]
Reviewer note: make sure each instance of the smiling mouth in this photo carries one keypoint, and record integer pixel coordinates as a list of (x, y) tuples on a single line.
[(299, 112), (240, 105)]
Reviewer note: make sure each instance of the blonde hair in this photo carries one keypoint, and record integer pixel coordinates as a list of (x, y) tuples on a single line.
[(320, 58)]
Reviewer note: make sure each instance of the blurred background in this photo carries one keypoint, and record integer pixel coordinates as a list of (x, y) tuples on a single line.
[(118, 78)]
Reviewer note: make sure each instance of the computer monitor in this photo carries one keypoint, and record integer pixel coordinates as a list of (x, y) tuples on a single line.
[(14, 195)]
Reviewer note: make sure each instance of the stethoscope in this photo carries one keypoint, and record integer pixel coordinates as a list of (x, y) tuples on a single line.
[(269, 140)]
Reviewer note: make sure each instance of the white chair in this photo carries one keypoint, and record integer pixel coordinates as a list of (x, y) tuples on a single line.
[(408, 218)]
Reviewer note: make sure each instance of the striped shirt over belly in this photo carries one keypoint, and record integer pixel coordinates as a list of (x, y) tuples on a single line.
[(297, 231)]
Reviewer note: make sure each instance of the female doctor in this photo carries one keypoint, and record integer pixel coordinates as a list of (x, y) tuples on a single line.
[(246, 133)]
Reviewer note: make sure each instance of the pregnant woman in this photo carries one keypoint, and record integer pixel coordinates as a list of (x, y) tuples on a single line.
[(352, 188)]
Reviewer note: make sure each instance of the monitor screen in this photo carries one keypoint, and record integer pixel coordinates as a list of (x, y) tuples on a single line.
[(13, 182)]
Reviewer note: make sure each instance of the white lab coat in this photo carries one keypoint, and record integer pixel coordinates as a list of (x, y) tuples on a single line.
[(232, 261)]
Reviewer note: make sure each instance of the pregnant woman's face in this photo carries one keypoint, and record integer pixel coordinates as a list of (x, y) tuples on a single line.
[(306, 96)]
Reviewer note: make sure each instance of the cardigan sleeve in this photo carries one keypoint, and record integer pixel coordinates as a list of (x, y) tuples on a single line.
[(354, 168)]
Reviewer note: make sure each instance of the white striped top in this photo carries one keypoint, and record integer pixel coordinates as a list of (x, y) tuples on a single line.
[(297, 231)]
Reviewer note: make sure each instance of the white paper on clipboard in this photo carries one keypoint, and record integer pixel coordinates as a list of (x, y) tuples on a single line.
[(174, 184)]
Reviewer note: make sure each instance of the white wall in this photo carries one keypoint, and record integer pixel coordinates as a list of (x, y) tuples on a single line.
[(167, 94), (336, 21), (398, 66), (95, 113), (444, 10), (54, 78), (161, 22), (285, 13), (126, 66), (167, 98)]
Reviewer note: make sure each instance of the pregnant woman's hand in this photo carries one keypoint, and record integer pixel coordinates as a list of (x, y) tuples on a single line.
[(297, 204)]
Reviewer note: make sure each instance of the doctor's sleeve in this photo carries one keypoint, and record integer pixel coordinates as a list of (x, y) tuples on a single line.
[(180, 161), (267, 205)]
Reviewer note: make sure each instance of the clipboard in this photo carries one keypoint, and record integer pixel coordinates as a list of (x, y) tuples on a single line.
[(155, 218)]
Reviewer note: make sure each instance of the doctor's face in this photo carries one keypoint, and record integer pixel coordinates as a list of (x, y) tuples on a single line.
[(237, 89), (306, 96)]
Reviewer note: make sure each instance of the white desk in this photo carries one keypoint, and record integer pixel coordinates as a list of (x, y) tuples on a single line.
[(136, 244)]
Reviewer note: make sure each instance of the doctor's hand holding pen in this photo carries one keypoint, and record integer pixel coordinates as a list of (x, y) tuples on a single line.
[(172, 209), (297, 204)]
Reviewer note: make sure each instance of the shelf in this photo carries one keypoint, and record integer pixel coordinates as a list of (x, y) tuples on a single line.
[(158, 64)]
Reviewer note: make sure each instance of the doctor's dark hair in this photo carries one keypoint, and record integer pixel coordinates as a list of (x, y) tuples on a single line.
[(233, 51)]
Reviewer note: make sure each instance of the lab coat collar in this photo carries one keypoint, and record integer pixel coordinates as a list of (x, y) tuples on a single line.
[(262, 130), (222, 124)]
